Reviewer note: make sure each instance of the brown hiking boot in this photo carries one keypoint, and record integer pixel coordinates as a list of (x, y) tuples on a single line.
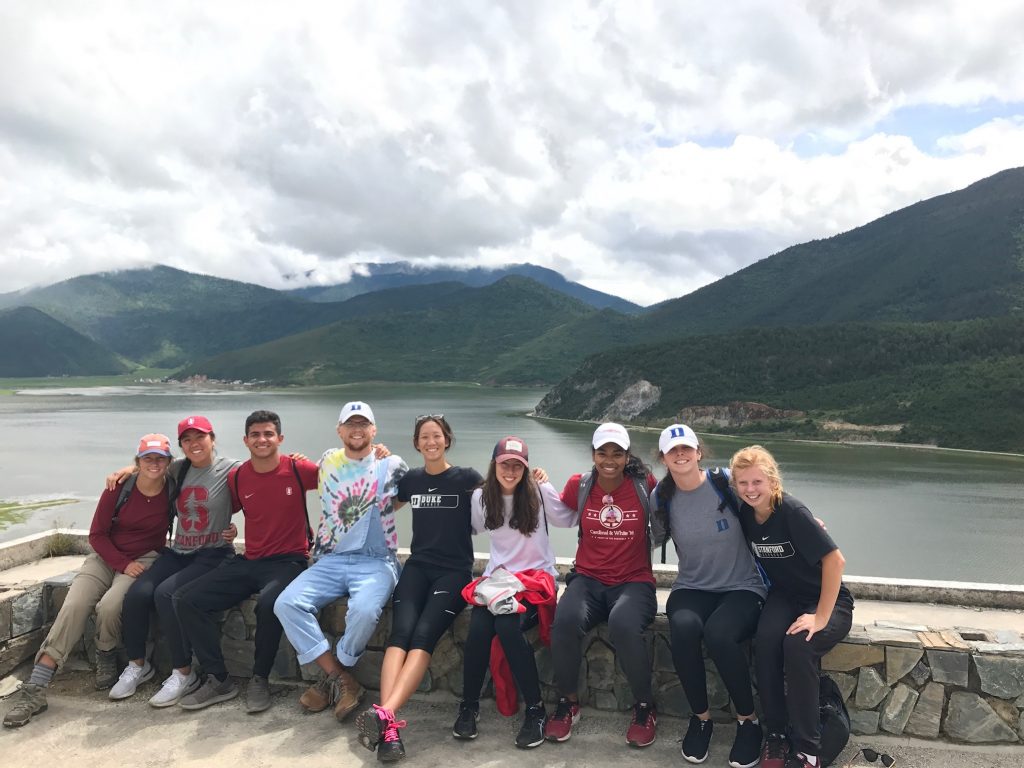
[(28, 701), (350, 693), (322, 694)]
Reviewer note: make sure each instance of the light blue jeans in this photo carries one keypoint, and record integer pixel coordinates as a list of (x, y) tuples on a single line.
[(368, 582)]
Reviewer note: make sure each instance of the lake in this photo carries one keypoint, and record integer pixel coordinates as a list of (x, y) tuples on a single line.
[(894, 511)]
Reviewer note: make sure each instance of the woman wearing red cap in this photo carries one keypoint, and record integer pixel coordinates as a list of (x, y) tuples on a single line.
[(612, 581), (127, 531), (202, 508), (514, 509)]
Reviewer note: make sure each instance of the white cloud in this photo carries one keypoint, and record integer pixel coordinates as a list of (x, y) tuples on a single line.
[(643, 148)]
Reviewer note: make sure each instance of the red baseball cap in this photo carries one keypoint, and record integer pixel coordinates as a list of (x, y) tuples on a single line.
[(511, 447), (200, 423), (154, 443)]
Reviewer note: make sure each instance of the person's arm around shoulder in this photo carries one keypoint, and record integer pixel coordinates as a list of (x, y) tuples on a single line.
[(397, 469), (561, 513)]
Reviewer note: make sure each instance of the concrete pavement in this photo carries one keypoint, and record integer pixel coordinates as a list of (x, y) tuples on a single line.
[(84, 728)]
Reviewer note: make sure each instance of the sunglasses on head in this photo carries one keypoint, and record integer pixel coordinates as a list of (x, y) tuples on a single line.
[(429, 417), (888, 761)]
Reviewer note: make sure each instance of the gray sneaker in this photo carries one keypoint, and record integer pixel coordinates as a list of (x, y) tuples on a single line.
[(257, 695), (106, 669), (28, 701), (213, 691)]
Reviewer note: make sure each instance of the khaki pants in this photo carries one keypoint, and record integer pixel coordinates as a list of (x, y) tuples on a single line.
[(97, 586)]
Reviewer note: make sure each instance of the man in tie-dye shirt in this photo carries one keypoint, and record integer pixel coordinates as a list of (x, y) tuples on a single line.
[(354, 554)]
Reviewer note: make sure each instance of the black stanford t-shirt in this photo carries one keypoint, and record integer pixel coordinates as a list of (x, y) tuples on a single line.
[(441, 528), (789, 546)]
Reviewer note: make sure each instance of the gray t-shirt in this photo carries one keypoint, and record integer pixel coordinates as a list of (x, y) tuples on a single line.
[(712, 551), (203, 506)]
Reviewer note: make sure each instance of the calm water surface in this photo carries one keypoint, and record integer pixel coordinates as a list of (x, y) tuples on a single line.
[(900, 512)]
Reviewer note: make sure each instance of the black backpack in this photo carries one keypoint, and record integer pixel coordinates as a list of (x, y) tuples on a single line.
[(835, 720)]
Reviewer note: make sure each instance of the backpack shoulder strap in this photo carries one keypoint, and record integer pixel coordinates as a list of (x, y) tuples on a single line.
[(719, 479), (587, 480), (122, 497)]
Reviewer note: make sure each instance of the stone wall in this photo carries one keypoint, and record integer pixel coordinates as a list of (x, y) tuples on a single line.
[(958, 684)]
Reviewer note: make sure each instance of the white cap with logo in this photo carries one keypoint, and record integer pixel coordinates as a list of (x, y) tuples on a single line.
[(677, 434), (611, 433), (356, 408)]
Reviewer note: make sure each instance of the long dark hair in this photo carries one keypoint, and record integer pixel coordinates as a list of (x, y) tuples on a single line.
[(525, 502)]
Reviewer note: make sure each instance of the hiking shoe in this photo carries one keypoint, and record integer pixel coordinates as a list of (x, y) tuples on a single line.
[(28, 701), (371, 724), (106, 669), (391, 749), (213, 691), (531, 734), (697, 740), (774, 751), (174, 687), (643, 730), (257, 695), (348, 693), (559, 725), (465, 723), (130, 679), (322, 694), (746, 747)]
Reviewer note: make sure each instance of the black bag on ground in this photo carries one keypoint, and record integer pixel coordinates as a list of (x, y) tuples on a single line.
[(835, 720)]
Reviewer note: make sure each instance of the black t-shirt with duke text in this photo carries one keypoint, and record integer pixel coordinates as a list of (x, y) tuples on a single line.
[(442, 532), (790, 545)]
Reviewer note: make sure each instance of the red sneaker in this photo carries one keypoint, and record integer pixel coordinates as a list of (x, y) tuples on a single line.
[(774, 751), (643, 730), (559, 725)]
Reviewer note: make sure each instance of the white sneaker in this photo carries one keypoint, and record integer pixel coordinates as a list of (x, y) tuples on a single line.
[(174, 687), (131, 678)]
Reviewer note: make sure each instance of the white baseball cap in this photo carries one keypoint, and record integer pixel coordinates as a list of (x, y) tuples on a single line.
[(356, 408), (611, 433), (677, 434)]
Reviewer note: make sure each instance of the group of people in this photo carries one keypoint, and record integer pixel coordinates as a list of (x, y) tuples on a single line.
[(753, 564)]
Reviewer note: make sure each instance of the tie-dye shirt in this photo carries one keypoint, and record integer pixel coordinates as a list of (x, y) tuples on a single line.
[(348, 491)]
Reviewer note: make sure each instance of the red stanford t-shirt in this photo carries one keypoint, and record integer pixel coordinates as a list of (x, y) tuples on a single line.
[(613, 547), (274, 506)]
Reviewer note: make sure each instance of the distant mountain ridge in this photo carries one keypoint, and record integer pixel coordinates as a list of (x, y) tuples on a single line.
[(34, 344), (402, 273)]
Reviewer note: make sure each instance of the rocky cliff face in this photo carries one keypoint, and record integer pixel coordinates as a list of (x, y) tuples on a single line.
[(735, 414)]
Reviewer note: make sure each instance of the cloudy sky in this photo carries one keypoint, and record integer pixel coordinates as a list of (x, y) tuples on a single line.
[(642, 148)]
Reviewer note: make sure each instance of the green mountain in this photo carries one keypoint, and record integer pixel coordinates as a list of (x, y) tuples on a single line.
[(448, 334), (164, 317), (953, 257), (397, 274), (951, 384), (34, 344)]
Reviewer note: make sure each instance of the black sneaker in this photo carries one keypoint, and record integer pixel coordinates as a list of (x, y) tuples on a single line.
[(391, 749), (531, 734), (465, 723), (746, 748), (697, 740)]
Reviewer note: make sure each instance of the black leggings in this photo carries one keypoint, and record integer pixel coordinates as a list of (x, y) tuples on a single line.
[(425, 602), (628, 608), (168, 573), (724, 620), (483, 626), (787, 667)]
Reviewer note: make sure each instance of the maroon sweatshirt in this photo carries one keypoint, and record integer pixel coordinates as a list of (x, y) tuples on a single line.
[(141, 527)]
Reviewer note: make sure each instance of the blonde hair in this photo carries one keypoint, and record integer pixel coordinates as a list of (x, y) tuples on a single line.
[(757, 456)]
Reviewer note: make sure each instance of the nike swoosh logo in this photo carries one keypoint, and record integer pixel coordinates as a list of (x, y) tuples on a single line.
[(431, 490), (249, 494), (764, 538), (440, 592)]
